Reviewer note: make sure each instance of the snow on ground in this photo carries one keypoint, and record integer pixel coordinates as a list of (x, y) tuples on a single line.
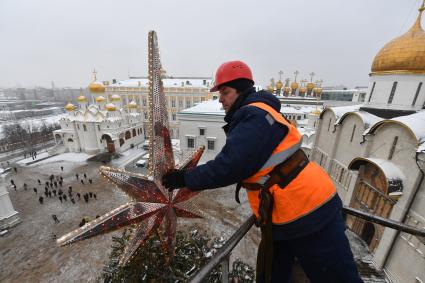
[(78, 157), (30, 159), (69, 161)]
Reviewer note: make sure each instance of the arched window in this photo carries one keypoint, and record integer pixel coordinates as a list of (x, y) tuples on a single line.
[(134, 132), (127, 135)]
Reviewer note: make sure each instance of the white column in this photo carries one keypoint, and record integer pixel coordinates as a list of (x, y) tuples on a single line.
[(8, 216)]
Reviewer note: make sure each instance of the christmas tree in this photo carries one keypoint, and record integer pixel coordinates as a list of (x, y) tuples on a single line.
[(150, 263)]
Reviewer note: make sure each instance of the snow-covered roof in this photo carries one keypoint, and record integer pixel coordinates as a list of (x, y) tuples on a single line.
[(174, 82), (395, 177), (341, 110), (211, 107), (215, 107), (296, 109), (291, 110), (306, 131), (414, 122), (35, 123), (367, 118), (391, 171)]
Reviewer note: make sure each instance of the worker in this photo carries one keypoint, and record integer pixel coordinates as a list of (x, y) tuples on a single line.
[(294, 201)]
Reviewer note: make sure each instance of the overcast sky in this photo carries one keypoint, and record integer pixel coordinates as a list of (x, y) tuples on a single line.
[(62, 41)]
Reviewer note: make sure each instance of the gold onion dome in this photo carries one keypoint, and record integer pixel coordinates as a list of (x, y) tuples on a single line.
[(303, 89), (294, 85), (316, 112), (96, 87), (287, 89), (115, 97), (81, 98), (270, 88), (310, 86), (279, 85), (100, 98), (404, 54), (69, 107), (318, 90), (110, 107), (132, 104)]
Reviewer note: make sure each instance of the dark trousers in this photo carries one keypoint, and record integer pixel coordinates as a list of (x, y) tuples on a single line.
[(325, 256)]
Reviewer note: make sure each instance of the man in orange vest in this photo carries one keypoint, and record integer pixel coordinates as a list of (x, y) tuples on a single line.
[(293, 199)]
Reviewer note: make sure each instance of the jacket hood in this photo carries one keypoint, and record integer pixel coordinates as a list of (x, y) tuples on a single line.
[(264, 97)]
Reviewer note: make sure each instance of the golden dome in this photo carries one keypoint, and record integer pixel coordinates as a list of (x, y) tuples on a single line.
[(115, 97), (132, 104), (96, 87), (317, 90), (294, 85), (316, 112), (69, 107), (110, 107), (310, 86), (404, 54), (303, 89), (81, 98), (100, 99), (279, 85), (286, 89), (270, 88)]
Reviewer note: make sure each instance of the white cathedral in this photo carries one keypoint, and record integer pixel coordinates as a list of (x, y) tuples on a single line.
[(375, 153), (101, 126)]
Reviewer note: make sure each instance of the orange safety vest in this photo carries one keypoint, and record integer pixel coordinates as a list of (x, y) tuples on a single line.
[(307, 192)]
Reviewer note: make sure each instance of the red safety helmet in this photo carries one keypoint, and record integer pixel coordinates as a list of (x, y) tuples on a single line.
[(230, 71)]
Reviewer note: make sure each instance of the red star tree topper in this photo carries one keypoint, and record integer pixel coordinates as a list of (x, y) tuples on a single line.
[(153, 208)]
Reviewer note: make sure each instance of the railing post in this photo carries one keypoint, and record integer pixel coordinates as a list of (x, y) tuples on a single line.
[(225, 270), (384, 221), (223, 253)]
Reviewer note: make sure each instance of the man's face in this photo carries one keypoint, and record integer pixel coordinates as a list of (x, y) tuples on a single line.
[(228, 96)]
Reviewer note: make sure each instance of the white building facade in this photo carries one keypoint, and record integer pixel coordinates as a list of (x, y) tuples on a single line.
[(202, 125), (375, 154), (114, 116), (180, 93), (104, 125)]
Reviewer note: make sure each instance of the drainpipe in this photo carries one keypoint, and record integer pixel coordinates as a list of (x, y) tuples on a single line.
[(387, 254)]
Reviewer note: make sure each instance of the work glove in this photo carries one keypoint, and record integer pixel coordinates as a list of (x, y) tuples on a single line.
[(174, 179)]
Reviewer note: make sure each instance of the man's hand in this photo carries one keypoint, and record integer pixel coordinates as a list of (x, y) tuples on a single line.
[(174, 179)]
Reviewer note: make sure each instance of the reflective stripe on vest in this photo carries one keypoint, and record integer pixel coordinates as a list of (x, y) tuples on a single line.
[(307, 192)]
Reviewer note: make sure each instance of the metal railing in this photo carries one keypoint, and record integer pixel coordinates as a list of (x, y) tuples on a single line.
[(222, 256)]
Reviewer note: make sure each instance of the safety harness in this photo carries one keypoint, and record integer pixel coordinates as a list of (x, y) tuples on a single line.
[(281, 175)]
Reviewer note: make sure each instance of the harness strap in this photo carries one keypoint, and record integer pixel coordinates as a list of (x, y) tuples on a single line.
[(265, 249), (284, 173)]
